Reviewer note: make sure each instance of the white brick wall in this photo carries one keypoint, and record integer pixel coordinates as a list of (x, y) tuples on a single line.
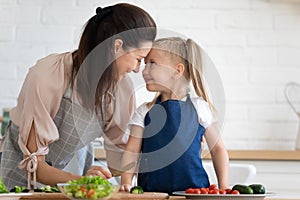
[(255, 45)]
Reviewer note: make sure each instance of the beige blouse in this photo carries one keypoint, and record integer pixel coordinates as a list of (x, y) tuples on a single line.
[(40, 98)]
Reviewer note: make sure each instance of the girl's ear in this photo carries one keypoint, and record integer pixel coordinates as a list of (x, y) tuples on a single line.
[(179, 70), (118, 46)]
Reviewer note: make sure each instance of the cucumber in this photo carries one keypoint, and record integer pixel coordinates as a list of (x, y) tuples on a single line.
[(258, 188), (243, 189), (137, 190)]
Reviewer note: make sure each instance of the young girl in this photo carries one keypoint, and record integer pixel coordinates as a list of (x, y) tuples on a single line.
[(169, 129)]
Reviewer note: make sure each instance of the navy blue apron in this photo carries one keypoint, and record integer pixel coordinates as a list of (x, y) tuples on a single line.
[(171, 148)]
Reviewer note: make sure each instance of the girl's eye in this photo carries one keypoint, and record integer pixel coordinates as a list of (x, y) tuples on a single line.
[(150, 63)]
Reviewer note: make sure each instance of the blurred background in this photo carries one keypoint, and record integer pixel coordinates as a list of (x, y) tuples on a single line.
[(255, 45)]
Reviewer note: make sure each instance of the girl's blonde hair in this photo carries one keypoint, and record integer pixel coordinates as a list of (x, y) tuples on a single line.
[(189, 54)]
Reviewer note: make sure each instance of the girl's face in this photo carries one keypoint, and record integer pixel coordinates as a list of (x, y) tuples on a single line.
[(159, 71), (128, 61)]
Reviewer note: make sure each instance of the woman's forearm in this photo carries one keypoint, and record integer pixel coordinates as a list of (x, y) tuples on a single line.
[(45, 173), (49, 175)]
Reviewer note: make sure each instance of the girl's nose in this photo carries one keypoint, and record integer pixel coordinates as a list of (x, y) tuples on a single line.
[(145, 70)]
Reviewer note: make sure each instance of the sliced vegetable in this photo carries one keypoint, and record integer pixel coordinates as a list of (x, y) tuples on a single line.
[(137, 190), (3, 188), (38, 190), (90, 180), (18, 189), (47, 189), (89, 187)]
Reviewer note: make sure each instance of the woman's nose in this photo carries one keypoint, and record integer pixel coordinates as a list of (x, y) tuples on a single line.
[(137, 69)]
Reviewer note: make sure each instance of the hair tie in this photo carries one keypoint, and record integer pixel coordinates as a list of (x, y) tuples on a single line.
[(185, 43), (101, 12)]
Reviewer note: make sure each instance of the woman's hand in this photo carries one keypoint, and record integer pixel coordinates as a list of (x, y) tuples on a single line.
[(99, 171), (125, 187)]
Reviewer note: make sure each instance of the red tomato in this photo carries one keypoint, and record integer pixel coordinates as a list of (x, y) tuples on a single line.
[(82, 189), (222, 191), (189, 190), (203, 190), (235, 192), (215, 191), (196, 191), (90, 193), (228, 190), (213, 186)]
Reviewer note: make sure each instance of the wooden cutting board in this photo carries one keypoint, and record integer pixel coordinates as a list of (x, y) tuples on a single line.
[(117, 196), (42, 195), (145, 196)]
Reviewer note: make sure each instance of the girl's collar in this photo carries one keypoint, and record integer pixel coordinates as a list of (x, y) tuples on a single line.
[(158, 100)]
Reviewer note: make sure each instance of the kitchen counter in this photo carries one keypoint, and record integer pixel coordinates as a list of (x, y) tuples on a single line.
[(240, 155), (261, 155), (273, 168), (59, 196)]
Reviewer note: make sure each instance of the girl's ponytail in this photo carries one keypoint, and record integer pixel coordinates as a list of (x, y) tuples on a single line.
[(195, 70)]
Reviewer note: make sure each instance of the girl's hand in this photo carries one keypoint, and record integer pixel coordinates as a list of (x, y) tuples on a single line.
[(99, 171), (125, 187)]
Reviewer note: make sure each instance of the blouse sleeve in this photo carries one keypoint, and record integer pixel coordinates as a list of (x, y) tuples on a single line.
[(205, 116), (139, 116), (39, 101)]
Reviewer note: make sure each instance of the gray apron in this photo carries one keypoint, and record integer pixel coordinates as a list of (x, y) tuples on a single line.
[(72, 152)]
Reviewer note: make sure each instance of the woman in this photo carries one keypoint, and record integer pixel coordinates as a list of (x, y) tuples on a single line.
[(67, 100)]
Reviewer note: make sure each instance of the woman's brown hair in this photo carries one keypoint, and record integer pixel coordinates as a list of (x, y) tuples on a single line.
[(94, 72)]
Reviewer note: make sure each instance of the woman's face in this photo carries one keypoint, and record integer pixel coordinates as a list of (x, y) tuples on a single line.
[(159, 71), (128, 61)]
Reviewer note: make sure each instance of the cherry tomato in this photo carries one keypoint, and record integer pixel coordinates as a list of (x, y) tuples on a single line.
[(189, 190), (228, 191), (213, 186), (83, 189), (235, 192), (203, 190), (215, 191), (196, 191), (90, 193), (222, 191)]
